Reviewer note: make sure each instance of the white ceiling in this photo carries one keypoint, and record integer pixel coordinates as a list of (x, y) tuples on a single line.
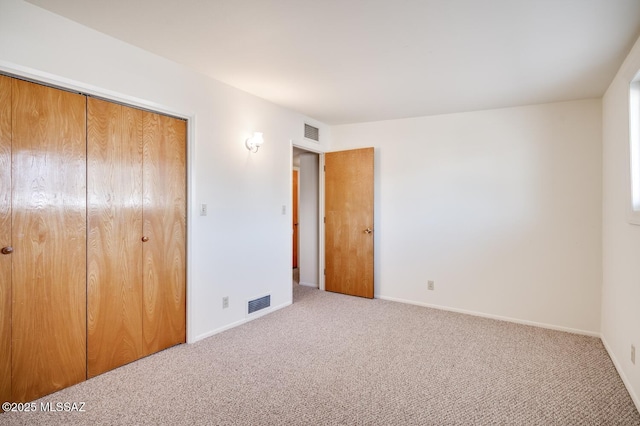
[(345, 61)]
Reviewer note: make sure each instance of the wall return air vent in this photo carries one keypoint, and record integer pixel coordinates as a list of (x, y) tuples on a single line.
[(311, 132), (259, 303)]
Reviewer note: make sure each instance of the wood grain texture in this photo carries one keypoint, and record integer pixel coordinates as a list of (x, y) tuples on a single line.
[(5, 238), (164, 223), (49, 240), (294, 216), (114, 248), (348, 212)]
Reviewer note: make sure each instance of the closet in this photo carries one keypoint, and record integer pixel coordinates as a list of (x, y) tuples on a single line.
[(44, 238), (136, 240), (92, 236)]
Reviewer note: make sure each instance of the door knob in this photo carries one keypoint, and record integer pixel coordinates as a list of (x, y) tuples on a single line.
[(7, 250), (368, 231), (145, 239)]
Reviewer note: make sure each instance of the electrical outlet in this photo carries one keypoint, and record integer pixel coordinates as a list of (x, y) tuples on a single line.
[(633, 355), (430, 285), (203, 209), (225, 302)]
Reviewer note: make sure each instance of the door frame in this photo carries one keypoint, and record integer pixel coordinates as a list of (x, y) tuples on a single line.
[(316, 149), (296, 208), (45, 78)]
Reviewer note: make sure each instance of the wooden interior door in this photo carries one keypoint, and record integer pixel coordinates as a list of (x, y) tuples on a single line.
[(5, 239), (295, 217), (164, 231), (49, 240), (349, 222), (114, 247)]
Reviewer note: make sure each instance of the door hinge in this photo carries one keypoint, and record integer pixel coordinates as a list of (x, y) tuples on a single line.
[(325, 271), (324, 168), (325, 219)]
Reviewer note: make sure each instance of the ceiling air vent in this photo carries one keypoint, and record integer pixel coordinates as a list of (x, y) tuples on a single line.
[(311, 132), (260, 303)]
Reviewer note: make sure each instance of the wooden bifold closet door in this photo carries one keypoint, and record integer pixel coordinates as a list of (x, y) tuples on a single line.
[(5, 239), (92, 237), (114, 247), (42, 240), (48, 237), (164, 229), (136, 174)]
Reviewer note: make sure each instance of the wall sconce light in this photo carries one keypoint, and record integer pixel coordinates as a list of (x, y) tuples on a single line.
[(254, 142)]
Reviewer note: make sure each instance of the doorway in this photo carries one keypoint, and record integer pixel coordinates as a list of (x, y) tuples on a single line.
[(305, 227), (355, 174)]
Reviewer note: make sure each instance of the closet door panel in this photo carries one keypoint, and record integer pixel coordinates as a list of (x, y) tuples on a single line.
[(49, 240), (5, 238), (114, 248), (164, 212)]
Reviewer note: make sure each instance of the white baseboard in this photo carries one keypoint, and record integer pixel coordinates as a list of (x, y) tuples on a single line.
[(618, 366), (239, 322), (496, 317), (314, 285)]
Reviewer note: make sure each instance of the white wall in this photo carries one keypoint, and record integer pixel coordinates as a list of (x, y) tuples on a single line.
[(621, 240), (242, 248), (501, 208), (308, 220)]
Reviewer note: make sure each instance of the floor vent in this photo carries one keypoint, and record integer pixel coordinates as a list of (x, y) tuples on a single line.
[(311, 132), (260, 303)]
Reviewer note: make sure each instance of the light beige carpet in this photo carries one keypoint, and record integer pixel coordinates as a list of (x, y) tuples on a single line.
[(331, 359)]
